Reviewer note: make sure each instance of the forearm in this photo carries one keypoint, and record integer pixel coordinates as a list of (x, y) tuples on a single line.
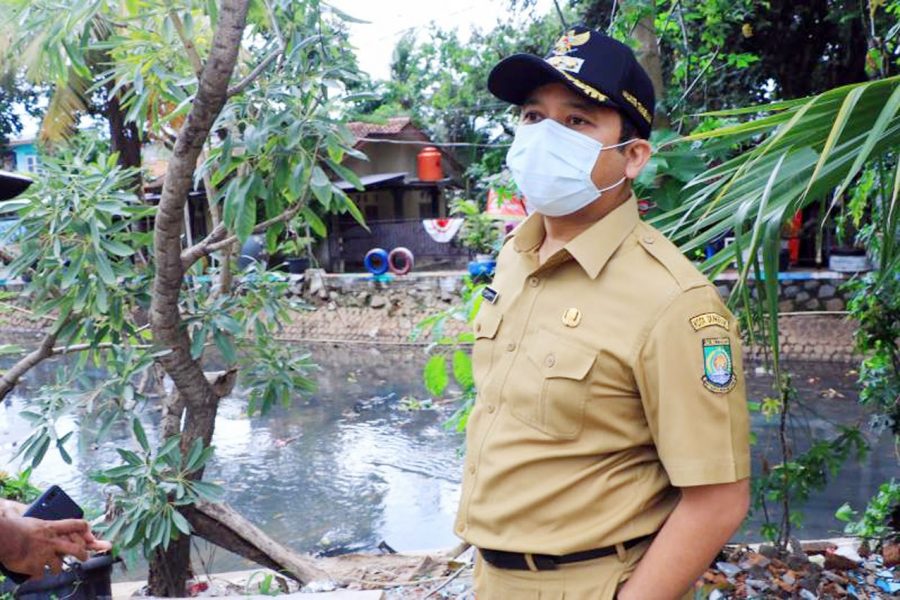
[(683, 549)]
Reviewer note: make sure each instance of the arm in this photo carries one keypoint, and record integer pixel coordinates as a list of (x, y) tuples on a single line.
[(702, 522)]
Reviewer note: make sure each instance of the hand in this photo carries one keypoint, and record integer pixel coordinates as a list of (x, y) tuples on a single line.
[(10, 508), (31, 544)]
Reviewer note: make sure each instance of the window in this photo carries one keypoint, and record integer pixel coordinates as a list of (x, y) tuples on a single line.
[(32, 163)]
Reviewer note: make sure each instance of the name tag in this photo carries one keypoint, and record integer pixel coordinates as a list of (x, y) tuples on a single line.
[(490, 294)]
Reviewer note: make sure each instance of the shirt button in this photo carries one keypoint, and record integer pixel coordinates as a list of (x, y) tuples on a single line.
[(511, 347), (460, 528), (534, 281), (490, 408), (649, 239), (550, 360), (478, 327), (472, 469)]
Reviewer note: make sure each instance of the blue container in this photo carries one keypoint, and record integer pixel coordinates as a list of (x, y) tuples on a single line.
[(482, 268)]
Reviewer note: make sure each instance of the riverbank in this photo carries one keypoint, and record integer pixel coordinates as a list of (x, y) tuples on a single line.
[(829, 568), (360, 309)]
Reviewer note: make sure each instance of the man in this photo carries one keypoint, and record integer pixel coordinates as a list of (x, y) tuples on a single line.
[(31, 545), (607, 452)]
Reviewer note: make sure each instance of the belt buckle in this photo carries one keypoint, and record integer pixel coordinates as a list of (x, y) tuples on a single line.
[(544, 562)]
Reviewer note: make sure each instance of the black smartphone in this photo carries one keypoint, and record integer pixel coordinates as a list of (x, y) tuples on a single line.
[(53, 505)]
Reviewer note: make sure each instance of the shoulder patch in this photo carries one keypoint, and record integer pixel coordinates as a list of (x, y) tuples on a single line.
[(708, 320), (718, 366)]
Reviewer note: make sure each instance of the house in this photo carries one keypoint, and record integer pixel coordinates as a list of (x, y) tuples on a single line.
[(20, 155), (395, 199)]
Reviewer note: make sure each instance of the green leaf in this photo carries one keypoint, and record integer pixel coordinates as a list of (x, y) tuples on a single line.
[(74, 270), (194, 456), (845, 513), (104, 269), (246, 219), (181, 523), (225, 345), (320, 185), (198, 341), (208, 491), (462, 370), (140, 435), (315, 223), (435, 375), (117, 248)]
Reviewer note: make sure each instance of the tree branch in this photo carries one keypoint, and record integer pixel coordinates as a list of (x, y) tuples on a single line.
[(216, 240), (189, 46), (102, 346), (243, 83), (10, 378)]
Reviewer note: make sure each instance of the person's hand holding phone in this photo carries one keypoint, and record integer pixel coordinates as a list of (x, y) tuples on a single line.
[(31, 544)]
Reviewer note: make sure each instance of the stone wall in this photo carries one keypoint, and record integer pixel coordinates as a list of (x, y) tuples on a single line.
[(800, 291), (356, 308)]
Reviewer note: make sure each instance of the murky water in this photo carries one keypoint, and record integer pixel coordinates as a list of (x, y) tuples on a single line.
[(347, 468)]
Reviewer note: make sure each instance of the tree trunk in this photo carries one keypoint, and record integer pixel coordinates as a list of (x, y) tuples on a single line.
[(221, 525), (648, 56), (198, 395)]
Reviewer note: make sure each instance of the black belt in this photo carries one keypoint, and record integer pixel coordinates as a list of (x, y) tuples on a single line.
[(547, 562)]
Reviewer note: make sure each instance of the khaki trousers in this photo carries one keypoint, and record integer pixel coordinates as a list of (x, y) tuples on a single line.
[(596, 579)]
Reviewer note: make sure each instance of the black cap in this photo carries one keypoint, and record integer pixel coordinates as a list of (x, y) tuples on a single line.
[(592, 64), (12, 184)]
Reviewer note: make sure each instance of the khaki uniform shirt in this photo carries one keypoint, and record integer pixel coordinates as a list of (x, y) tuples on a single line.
[(607, 378)]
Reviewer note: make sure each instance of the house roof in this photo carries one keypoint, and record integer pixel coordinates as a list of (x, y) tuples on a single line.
[(393, 126), (375, 180)]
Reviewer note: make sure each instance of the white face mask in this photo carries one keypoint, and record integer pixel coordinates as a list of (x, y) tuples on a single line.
[(552, 166)]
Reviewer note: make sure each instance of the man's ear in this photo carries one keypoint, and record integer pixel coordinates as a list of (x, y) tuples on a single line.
[(637, 153)]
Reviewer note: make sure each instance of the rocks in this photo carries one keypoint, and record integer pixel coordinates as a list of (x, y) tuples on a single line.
[(378, 301), (826, 291), (834, 304), (837, 562), (891, 553)]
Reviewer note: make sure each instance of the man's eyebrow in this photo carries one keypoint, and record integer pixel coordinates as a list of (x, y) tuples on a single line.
[(530, 101), (581, 105)]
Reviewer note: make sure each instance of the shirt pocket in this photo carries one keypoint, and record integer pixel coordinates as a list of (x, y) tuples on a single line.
[(487, 324), (552, 397)]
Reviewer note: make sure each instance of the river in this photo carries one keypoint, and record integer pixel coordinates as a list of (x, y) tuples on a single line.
[(349, 467)]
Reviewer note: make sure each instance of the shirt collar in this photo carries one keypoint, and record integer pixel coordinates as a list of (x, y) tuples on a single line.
[(593, 247)]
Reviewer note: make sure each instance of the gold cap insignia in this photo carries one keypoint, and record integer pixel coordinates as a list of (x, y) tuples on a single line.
[(572, 317), (569, 40)]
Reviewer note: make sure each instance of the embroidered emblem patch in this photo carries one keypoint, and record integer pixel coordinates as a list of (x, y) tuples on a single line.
[(570, 39), (718, 367), (708, 320), (566, 63), (572, 317)]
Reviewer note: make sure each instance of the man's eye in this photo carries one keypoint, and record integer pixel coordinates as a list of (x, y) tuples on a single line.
[(530, 117), (577, 121)]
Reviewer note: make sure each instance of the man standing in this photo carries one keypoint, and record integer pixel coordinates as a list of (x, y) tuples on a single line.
[(607, 452)]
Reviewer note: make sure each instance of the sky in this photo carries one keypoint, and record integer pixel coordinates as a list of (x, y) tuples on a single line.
[(374, 41), (390, 19)]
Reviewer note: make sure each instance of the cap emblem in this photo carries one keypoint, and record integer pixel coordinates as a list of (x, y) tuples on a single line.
[(569, 40), (566, 63)]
